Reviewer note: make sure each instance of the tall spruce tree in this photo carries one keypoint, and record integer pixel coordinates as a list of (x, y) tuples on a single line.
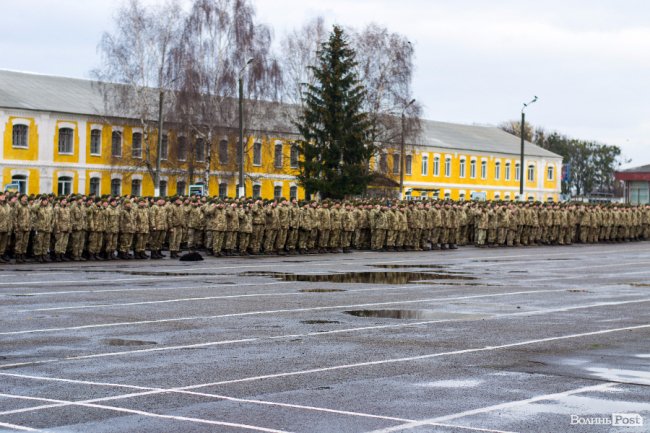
[(335, 130)]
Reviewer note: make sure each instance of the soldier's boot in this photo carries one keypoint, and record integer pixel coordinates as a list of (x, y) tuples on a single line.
[(57, 257), (47, 258), (40, 259), (161, 254), (173, 255), (3, 260), (453, 247)]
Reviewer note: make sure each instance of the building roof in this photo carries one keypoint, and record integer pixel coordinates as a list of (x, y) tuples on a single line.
[(28, 91), (640, 169), (641, 173)]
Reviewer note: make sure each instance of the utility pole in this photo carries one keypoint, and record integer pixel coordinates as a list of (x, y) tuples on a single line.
[(242, 187), (402, 158), (521, 159)]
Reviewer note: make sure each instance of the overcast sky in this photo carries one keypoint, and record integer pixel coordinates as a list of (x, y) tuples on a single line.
[(476, 61)]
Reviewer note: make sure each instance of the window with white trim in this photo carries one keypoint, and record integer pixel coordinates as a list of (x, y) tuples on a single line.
[(116, 187), (408, 161), (507, 176), (66, 144), (136, 187), (497, 170), (94, 186), (257, 153), (472, 169), (396, 162), (181, 186), (136, 145), (164, 148), (64, 186), (448, 166), (277, 192), (483, 169), (257, 191), (96, 142), (517, 171), (293, 192), (21, 181), (223, 190), (199, 150), (531, 173), (425, 165), (223, 152), (461, 168), (278, 156), (294, 156), (436, 166), (19, 136), (182, 149), (550, 172), (116, 144), (162, 187)]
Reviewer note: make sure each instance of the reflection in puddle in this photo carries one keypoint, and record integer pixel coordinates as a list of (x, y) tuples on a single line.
[(412, 314), (120, 342), (621, 375), (320, 322), (320, 290), (360, 277)]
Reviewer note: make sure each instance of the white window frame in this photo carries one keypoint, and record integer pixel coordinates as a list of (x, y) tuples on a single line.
[(472, 168), (133, 134), (99, 131), (483, 169), (517, 172), (436, 165), (23, 123), (507, 173), (462, 167), (447, 166), (550, 172), (121, 134), (497, 170), (530, 172), (257, 152), (71, 144), (425, 164), (408, 165)]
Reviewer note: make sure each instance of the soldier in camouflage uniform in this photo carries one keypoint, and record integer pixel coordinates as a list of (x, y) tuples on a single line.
[(348, 226), (127, 229), (283, 227), (62, 228), (245, 228), (42, 216), (176, 228), (142, 225), (111, 229), (294, 227), (6, 222)]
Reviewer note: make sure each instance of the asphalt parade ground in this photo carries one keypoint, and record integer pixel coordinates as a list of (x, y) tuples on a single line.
[(537, 339)]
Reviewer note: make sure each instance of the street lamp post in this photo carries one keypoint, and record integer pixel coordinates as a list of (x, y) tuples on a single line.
[(242, 187), (521, 159), (402, 159)]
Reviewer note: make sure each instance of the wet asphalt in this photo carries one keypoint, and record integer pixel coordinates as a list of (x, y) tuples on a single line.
[(537, 339)]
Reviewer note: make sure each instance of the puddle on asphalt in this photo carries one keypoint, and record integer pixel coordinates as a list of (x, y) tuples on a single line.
[(398, 266), (621, 375), (412, 314), (150, 273), (320, 322), (121, 342), (321, 290), (360, 277)]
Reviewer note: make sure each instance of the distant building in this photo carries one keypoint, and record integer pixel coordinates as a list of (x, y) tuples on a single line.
[(56, 138), (637, 184)]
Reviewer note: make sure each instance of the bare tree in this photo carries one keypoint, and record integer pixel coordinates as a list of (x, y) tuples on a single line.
[(385, 67), (135, 71), (298, 53), (219, 39)]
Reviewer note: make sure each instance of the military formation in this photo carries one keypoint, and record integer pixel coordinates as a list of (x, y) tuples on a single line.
[(77, 227)]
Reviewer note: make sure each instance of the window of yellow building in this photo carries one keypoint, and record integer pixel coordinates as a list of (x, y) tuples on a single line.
[(507, 175), (550, 172), (278, 156), (517, 171), (66, 143), (294, 157), (136, 187), (116, 187), (19, 136), (223, 190), (181, 186), (293, 193), (436, 166), (95, 186), (199, 150), (116, 144), (531, 173), (21, 181), (396, 162), (497, 170), (96, 142), (472, 169), (461, 168), (277, 192), (136, 145), (164, 149), (64, 186), (182, 149), (425, 165), (484, 169), (162, 186), (448, 166), (257, 153), (257, 190), (408, 162)]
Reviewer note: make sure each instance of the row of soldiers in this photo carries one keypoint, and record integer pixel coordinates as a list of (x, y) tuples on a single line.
[(79, 227)]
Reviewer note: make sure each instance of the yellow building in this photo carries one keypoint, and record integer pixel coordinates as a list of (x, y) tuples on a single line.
[(55, 139)]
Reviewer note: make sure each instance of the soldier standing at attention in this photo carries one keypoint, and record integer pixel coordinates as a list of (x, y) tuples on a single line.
[(127, 228), (5, 226), (194, 225), (112, 229), (42, 214), (294, 227), (335, 228), (22, 226), (142, 224), (78, 227), (245, 227), (232, 227), (158, 223), (305, 228), (348, 225), (323, 227), (62, 227), (283, 227), (175, 225)]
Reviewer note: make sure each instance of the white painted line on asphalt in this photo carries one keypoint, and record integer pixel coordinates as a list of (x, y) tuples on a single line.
[(89, 404), (414, 286), (254, 313), (106, 281), (145, 289), (581, 276), (17, 427), (152, 391), (414, 358), (316, 334), (434, 421)]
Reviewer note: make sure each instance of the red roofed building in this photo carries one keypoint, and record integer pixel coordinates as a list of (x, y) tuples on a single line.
[(637, 184)]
